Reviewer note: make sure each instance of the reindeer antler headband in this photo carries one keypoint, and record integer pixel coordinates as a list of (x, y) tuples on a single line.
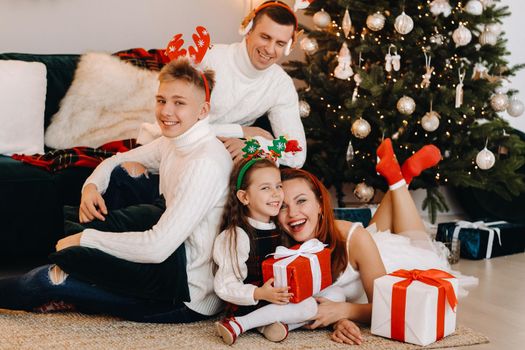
[(247, 23), (174, 50)]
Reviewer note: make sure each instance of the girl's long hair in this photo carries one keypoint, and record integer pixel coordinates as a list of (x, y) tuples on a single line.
[(235, 213), (327, 231)]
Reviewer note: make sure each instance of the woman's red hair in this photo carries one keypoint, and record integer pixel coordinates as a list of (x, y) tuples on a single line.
[(327, 231)]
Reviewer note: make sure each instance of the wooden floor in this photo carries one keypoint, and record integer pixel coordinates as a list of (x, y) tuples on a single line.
[(496, 307)]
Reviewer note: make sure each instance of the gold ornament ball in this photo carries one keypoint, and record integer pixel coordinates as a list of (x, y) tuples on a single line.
[(515, 108), (488, 38), (403, 23), (485, 159), (375, 22), (309, 45), (304, 109), (363, 192), (406, 105), (430, 121), (322, 19), (361, 128), (499, 102)]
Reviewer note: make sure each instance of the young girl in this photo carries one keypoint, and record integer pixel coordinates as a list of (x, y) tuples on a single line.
[(360, 255), (248, 235)]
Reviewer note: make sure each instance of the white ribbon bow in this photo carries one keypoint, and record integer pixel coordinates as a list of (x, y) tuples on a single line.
[(307, 250), (480, 225)]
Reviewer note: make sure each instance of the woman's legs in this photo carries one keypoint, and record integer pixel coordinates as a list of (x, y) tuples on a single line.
[(397, 211)]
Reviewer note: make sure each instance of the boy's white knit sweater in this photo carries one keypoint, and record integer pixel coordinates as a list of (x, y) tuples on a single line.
[(194, 170), (242, 94)]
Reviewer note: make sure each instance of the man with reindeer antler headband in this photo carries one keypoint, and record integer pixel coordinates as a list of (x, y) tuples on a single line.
[(251, 84)]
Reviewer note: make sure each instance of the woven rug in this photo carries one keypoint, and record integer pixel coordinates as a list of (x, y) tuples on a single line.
[(22, 330)]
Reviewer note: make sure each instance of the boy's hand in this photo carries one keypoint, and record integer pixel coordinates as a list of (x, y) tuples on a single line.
[(69, 241), (273, 295), (346, 331), (92, 205)]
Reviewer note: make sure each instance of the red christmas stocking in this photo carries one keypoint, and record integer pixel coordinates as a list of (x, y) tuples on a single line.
[(427, 157), (387, 166)]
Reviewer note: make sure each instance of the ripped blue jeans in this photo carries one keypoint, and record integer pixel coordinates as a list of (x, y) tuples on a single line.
[(35, 288)]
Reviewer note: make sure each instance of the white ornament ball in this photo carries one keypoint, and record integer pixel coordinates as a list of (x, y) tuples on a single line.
[(363, 192), (322, 19), (503, 87), (309, 45), (499, 102), (403, 23), (515, 107), (488, 38), (461, 36), (487, 3), (361, 128), (474, 7), (430, 121), (375, 22), (438, 7), (406, 105), (304, 109), (493, 28), (485, 159)]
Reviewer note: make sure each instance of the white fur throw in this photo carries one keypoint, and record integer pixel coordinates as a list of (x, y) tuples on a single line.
[(108, 100)]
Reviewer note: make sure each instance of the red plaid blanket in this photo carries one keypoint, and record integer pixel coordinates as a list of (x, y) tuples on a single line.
[(153, 59), (88, 157)]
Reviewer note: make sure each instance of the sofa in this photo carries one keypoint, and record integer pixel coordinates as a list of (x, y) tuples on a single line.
[(32, 198)]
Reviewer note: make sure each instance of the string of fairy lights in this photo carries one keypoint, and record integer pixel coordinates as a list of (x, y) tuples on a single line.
[(450, 71)]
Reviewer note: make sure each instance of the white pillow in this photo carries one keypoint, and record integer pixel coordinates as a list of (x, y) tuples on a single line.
[(108, 100), (22, 104)]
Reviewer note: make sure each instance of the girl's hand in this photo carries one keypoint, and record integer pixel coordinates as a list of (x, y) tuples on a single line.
[(328, 312), (274, 295), (346, 331)]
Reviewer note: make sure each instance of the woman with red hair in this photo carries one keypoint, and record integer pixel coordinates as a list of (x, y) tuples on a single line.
[(395, 239)]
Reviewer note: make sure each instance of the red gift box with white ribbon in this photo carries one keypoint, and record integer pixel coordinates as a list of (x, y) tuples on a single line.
[(416, 306), (305, 268)]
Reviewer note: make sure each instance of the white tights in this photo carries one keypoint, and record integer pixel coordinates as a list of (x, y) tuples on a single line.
[(294, 315)]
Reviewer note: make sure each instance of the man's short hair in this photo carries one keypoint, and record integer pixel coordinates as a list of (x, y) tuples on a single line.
[(182, 69), (277, 14)]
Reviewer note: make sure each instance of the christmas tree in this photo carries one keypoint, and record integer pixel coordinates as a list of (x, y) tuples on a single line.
[(419, 72)]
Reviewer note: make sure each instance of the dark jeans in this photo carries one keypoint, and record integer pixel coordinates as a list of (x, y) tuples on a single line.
[(35, 288)]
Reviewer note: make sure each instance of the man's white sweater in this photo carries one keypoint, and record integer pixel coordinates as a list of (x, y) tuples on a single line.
[(242, 94), (194, 169)]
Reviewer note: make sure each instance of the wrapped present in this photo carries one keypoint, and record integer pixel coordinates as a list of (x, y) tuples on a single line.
[(416, 306), (305, 268), (484, 240), (362, 215)]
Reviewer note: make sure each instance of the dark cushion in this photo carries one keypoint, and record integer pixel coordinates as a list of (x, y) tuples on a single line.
[(166, 281), (30, 211), (60, 72)]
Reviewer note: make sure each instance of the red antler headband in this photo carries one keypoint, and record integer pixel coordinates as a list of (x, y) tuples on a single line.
[(174, 50)]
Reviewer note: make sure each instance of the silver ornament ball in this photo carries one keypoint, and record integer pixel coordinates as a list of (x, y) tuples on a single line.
[(515, 108), (474, 7), (499, 102), (309, 45), (363, 192), (485, 159), (403, 23), (304, 109), (493, 28), (361, 128), (430, 121), (322, 19), (406, 105), (503, 86), (375, 22)]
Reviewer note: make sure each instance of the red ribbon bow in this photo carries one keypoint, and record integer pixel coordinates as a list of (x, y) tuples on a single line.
[(431, 277)]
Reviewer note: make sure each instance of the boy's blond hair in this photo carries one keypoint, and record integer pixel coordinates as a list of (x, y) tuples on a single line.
[(181, 68)]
